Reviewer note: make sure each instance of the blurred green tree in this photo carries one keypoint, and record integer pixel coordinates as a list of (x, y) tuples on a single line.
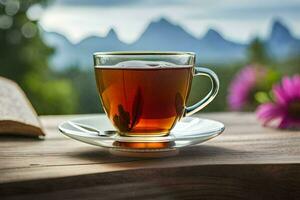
[(24, 59), (84, 83), (290, 66), (257, 52)]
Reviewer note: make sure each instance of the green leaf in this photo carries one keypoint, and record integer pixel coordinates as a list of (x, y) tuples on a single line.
[(269, 80), (262, 97)]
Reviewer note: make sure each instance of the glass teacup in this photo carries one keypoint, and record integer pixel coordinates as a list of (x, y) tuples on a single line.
[(145, 93)]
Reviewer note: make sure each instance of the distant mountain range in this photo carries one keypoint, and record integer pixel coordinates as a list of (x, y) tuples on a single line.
[(163, 35)]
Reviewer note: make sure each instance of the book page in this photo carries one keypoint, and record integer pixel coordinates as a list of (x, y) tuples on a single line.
[(14, 105)]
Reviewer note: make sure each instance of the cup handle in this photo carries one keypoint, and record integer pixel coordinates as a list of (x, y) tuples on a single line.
[(210, 96)]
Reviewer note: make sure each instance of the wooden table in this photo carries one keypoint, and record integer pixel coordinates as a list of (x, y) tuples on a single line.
[(246, 162)]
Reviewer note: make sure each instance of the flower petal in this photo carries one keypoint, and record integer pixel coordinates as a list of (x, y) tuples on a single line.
[(280, 95), (268, 112), (239, 93), (288, 86), (296, 83), (285, 123)]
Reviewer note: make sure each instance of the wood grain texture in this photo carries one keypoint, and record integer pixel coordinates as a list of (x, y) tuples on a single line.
[(246, 162), (195, 182)]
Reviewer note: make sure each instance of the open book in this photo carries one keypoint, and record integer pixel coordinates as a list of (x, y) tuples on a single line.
[(17, 115)]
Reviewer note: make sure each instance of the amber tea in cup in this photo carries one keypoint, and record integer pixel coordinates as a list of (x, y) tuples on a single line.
[(145, 93)]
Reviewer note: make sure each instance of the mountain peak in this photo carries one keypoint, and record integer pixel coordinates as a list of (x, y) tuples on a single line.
[(163, 21), (163, 27), (279, 30), (277, 24), (212, 34), (112, 34)]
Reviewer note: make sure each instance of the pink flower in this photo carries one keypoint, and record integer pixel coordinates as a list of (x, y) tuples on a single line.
[(285, 110), (241, 89)]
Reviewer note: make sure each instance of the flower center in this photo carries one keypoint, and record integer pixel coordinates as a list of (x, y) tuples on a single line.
[(294, 109)]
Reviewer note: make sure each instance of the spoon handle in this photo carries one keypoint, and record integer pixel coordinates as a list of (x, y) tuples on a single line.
[(86, 128)]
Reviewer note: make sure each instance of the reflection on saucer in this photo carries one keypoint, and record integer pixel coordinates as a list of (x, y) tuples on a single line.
[(144, 145), (188, 131)]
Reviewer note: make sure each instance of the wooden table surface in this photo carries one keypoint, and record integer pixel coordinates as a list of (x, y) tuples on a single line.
[(247, 161)]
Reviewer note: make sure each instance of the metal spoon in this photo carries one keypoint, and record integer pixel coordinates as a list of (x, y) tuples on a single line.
[(90, 129)]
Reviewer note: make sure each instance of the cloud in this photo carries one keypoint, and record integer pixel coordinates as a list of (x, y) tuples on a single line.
[(116, 3), (249, 12), (236, 19), (96, 2)]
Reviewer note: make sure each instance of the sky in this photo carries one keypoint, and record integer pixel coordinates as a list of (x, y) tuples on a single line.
[(237, 20)]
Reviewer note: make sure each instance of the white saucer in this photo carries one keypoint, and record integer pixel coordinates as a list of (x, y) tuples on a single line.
[(188, 131)]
